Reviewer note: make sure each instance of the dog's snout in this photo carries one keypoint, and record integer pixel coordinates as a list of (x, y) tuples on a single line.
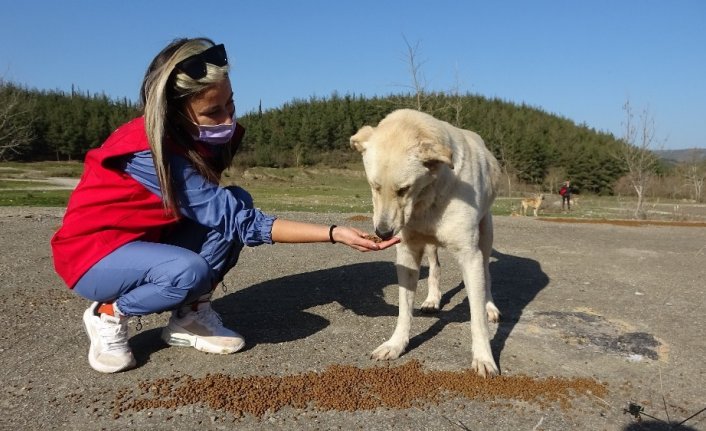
[(384, 233)]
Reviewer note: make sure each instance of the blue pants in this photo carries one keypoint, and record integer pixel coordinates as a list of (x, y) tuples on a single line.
[(147, 277)]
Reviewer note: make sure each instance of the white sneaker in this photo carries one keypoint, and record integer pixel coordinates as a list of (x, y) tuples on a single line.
[(198, 325), (109, 351)]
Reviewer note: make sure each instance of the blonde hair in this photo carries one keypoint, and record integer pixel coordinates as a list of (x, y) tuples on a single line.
[(164, 92)]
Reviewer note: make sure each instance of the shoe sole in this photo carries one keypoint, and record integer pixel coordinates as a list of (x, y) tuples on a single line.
[(176, 336), (91, 357)]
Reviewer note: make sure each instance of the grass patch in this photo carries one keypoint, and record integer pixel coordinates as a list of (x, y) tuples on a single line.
[(502, 207), (34, 198), (41, 169), (316, 190), (311, 190), (16, 184), (327, 190)]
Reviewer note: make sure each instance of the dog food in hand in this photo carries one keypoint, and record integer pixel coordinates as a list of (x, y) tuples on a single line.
[(373, 238)]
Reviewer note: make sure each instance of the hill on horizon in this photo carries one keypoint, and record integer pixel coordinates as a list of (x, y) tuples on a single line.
[(682, 155)]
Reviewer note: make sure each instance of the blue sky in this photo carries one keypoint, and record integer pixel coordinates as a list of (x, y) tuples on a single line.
[(578, 59)]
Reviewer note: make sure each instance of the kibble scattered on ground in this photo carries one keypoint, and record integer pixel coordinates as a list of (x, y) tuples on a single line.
[(348, 388)]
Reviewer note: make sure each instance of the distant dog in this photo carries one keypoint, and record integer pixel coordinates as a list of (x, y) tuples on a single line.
[(433, 185), (533, 203)]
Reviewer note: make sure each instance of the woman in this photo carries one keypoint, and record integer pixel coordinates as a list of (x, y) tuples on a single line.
[(148, 229), (565, 193)]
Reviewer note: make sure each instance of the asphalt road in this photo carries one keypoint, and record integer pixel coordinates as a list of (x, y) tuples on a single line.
[(621, 305)]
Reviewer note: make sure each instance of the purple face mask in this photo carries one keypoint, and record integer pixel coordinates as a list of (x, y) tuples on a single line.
[(216, 135)]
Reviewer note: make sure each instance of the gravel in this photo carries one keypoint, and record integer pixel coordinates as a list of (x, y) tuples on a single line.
[(595, 316)]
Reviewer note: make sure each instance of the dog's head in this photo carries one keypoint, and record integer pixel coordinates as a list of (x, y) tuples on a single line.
[(402, 156)]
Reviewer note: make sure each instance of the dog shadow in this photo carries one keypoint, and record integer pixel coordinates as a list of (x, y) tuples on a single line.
[(275, 311), (516, 281), (652, 425)]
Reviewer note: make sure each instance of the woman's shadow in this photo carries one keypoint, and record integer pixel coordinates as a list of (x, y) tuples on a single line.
[(275, 311)]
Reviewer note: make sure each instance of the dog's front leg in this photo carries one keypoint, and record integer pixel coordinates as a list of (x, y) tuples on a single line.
[(474, 279), (408, 261), (433, 301)]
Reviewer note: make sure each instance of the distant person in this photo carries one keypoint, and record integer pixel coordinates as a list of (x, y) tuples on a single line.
[(148, 229), (565, 193)]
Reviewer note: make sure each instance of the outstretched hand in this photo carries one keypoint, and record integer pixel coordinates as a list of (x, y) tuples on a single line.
[(360, 240)]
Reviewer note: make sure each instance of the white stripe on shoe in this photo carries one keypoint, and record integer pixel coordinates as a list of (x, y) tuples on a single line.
[(199, 326)]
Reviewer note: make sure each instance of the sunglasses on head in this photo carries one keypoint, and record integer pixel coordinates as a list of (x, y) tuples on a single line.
[(195, 66)]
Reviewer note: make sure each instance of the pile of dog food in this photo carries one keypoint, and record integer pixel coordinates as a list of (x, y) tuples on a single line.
[(347, 388), (374, 238)]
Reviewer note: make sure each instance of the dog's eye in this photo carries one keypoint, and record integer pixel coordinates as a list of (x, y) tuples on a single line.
[(402, 191)]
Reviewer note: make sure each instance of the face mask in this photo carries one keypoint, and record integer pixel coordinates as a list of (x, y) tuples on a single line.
[(216, 135)]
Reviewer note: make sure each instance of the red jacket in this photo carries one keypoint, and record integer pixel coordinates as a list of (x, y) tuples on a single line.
[(108, 208)]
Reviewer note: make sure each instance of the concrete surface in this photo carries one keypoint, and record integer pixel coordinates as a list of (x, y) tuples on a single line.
[(622, 305)]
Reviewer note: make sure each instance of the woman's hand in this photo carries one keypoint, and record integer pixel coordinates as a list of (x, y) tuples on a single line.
[(360, 240), (288, 231)]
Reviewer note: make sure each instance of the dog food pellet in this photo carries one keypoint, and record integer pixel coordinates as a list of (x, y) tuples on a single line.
[(374, 238), (347, 388)]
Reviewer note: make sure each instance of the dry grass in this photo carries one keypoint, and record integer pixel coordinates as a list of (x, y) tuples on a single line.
[(329, 190)]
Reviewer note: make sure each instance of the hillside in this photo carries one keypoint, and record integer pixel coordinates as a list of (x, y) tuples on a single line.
[(533, 146), (683, 155)]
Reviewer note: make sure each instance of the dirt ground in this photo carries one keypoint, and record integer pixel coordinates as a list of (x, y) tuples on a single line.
[(616, 308)]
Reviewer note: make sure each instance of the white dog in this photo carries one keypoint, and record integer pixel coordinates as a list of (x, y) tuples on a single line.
[(433, 185)]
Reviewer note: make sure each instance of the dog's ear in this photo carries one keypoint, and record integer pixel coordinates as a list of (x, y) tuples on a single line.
[(433, 153), (359, 140)]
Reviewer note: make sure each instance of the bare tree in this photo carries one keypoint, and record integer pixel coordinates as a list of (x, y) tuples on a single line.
[(554, 178), (15, 121), (508, 164), (694, 172), (457, 101), (636, 153), (424, 100), (418, 81)]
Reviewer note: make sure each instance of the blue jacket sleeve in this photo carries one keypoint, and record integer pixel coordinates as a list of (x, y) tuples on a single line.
[(228, 210)]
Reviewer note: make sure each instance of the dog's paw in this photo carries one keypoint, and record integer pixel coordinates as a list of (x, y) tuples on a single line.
[(386, 352), (430, 307), (485, 368), (493, 312)]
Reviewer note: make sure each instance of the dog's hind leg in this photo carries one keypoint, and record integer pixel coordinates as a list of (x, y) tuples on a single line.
[(485, 243), (408, 261), (433, 301)]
